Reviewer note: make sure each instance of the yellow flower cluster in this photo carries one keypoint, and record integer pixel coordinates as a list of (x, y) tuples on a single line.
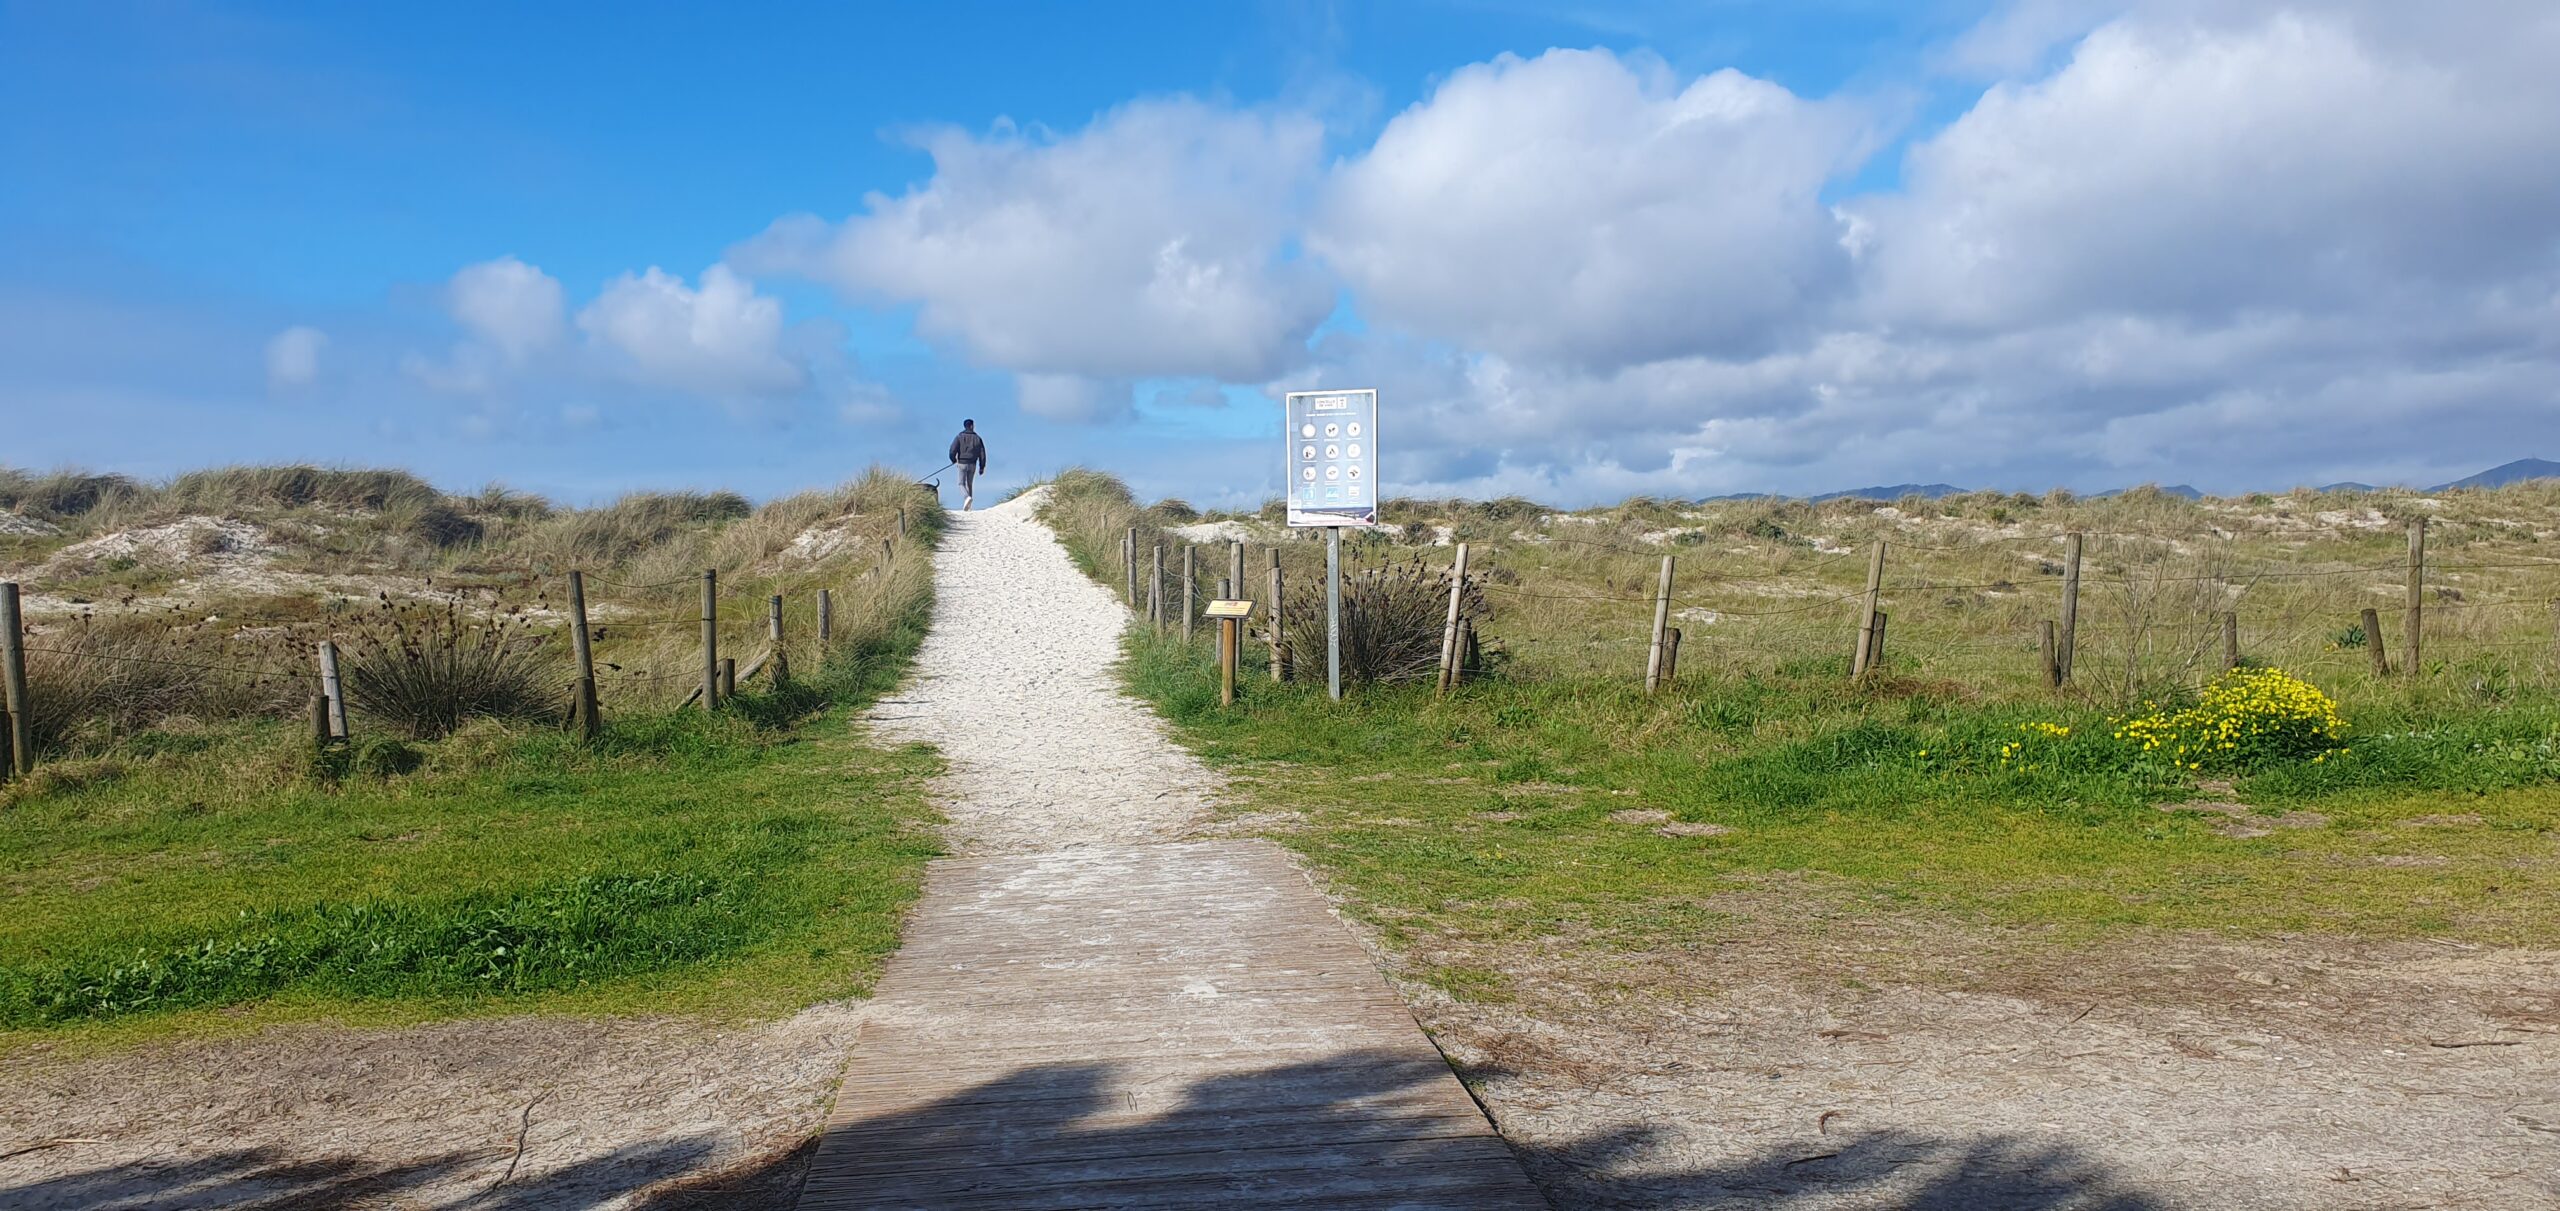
[(2016, 750), (2244, 717)]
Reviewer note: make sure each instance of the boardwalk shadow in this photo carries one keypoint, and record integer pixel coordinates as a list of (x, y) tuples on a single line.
[(272, 1181), (1358, 1130), (1366, 1130)]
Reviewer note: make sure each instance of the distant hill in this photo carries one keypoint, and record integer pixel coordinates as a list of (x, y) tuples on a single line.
[(2179, 490), (1891, 492), (2519, 471)]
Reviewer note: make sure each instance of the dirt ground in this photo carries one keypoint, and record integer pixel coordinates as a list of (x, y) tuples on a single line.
[(515, 1112), (1840, 1065), (1858, 1064)]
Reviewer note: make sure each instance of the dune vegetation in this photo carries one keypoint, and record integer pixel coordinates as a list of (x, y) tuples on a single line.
[(184, 857), (1550, 807)]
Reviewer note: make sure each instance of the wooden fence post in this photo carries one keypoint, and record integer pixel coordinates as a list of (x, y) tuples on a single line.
[(728, 677), (902, 521), (2372, 623), (1155, 588), (781, 655), (1472, 656), (1875, 643), (2069, 641), (1661, 620), (2230, 640), (1867, 613), (13, 675), (2414, 640), (2051, 656), (1235, 569), (826, 622), (1449, 630), (1129, 565), (1279, 637), (710, 639), (1190, 589), (334, 688), (1230, 647), (1671, 658), (320, 722), (581, 642), (8, 747)]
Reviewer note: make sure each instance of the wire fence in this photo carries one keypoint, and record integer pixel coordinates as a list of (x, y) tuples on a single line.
[(640, 652), (2130, 609)]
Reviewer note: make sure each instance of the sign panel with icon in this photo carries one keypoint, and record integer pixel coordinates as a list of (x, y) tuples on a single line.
[(1332, 445)]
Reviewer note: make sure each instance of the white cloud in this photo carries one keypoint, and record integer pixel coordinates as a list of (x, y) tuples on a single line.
[(1583, 208), (1072, 397), (293, 357), (1151, 243), (722, 339), (514, 307), (2294, 160), (2221, 243)]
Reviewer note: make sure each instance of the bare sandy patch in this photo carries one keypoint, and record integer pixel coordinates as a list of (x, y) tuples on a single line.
[(518, 1112)]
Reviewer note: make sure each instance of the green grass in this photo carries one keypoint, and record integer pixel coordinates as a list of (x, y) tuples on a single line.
[(1525, 818), (189, 878), (515, 865), (1485, 819)]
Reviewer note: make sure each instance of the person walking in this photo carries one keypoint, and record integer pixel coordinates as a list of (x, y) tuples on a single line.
[(969, 453)]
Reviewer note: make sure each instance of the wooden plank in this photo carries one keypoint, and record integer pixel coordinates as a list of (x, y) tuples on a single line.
[(1238, 1176), (1108, 1104), (976, 1145), (1176, 1025)]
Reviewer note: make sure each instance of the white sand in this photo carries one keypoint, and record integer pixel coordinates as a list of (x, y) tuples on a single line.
[(1014, 685)]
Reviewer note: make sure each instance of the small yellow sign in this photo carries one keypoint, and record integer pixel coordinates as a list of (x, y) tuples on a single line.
[(1229, 609)]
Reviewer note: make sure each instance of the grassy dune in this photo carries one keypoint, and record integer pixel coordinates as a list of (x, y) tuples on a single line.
[(173, 866), (1553, 809)]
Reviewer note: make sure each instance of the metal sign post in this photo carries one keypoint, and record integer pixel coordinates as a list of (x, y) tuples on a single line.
[(1332, 440), (1333, 612)]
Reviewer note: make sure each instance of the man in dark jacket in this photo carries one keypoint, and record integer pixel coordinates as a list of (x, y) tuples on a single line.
[(969, 453)]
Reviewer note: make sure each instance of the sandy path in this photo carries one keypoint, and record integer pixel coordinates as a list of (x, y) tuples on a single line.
[(1014, 686), (1014, 683)]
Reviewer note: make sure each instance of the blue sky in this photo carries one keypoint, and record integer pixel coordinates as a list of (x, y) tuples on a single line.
[(1584, 250)]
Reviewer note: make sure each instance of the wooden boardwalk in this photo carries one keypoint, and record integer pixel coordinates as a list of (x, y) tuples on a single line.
[(1151, 1026)]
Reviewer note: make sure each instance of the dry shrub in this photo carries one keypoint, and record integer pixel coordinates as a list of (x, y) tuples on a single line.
[(502, 502), (92, 682), (426, 668), (62, 494), (1092, 512), (232, 489), (1393, 614), (637, 523)]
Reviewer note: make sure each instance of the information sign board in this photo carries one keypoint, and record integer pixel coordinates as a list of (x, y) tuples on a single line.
[(1333, 458)]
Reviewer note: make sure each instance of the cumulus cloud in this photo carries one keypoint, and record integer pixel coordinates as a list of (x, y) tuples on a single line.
[(514, 307), (721, 339), (1154, 242), (293, 357), (2220, 243), (2300, 160), (1072, 397), (1584, 208)]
